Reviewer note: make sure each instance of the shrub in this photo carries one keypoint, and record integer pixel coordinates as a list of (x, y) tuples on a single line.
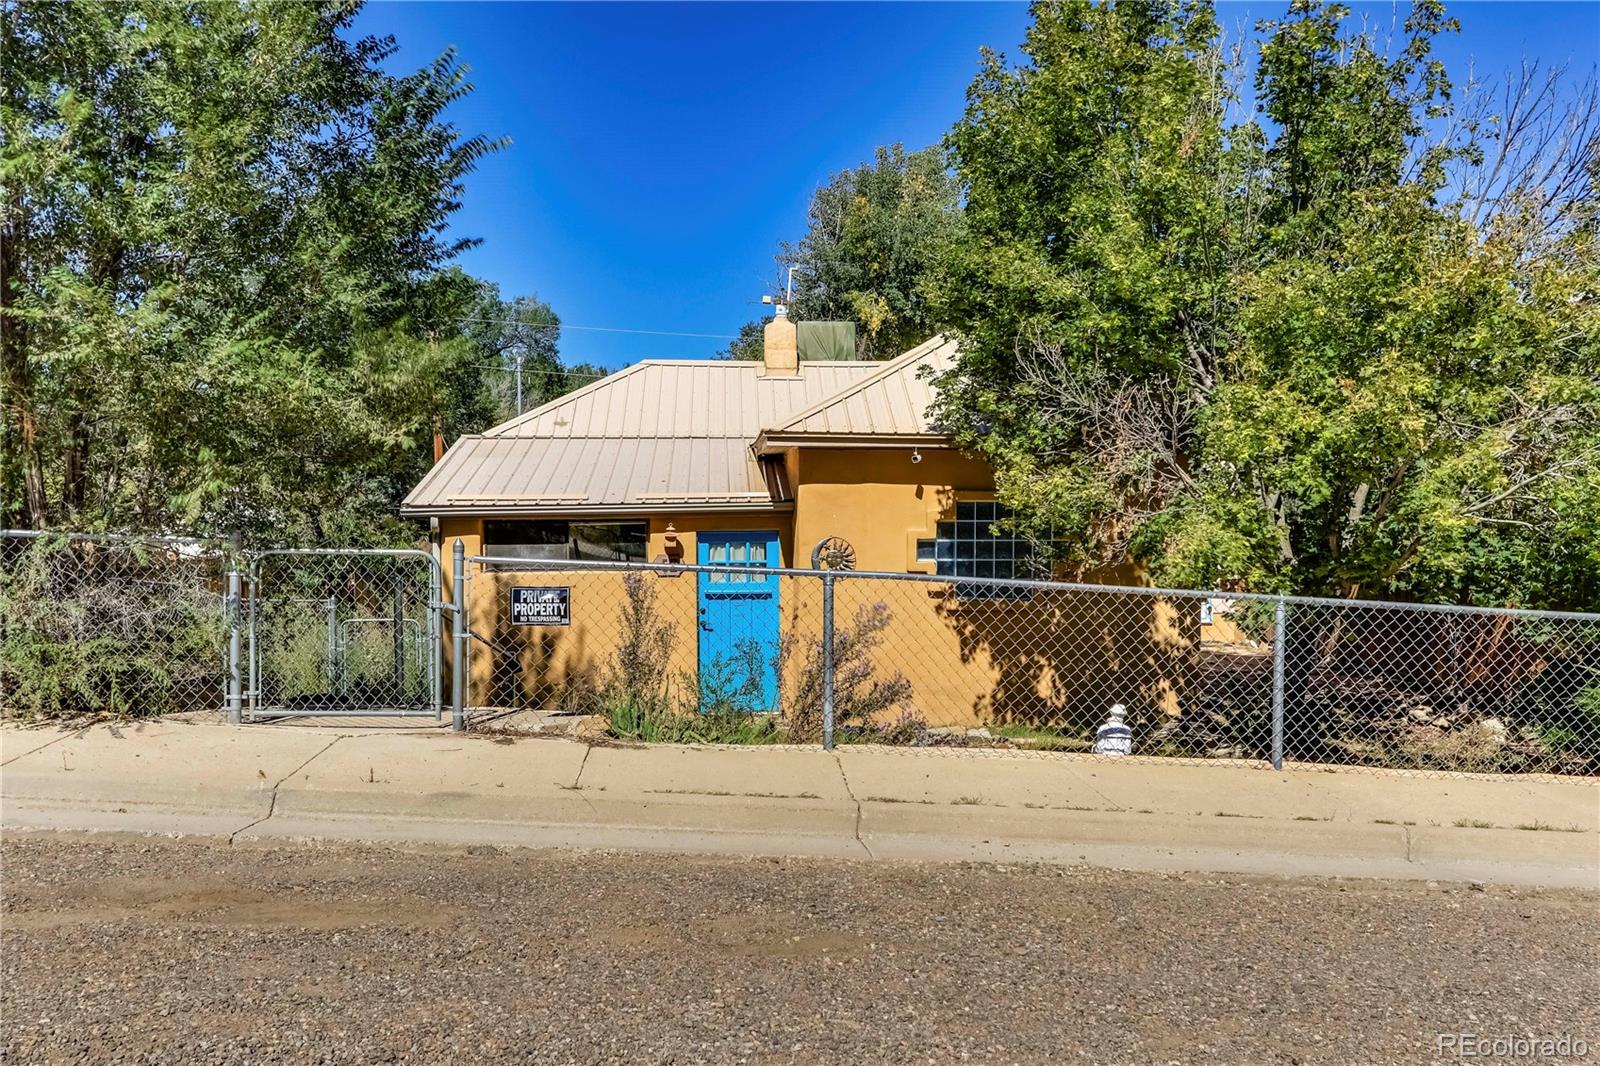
[(639, 675), (125, 629), (860, 696), (733, 685)]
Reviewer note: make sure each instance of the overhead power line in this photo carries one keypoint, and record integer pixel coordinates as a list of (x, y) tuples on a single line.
[(601, 329), (540, 370)]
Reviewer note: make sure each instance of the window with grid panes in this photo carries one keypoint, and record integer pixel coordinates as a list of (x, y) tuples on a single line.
[(738, 553), (969, 546)]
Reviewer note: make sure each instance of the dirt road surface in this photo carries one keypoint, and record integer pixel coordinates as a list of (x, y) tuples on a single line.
[(123, 950)]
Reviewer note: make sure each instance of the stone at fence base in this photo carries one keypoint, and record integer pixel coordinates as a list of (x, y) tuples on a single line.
[(958, 731), (591, 725)]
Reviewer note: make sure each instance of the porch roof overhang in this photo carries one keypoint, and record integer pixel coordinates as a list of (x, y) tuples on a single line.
[(522, 509), (774, 442)]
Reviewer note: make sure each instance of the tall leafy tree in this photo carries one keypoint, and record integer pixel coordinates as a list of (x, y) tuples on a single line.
[(222, 230), (521, 337), (1278, 350), (874, 234)]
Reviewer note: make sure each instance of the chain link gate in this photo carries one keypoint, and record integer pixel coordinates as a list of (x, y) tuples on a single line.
[(344, 632)]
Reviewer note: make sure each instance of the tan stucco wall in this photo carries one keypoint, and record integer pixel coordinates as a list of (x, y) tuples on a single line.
[(686, 524), (537, 665), (879, 500), (1054, 658)]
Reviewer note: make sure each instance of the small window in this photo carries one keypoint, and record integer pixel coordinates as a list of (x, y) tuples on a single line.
[(559, 539), (970, 547)]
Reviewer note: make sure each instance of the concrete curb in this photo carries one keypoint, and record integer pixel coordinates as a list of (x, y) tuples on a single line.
[(261, 784)]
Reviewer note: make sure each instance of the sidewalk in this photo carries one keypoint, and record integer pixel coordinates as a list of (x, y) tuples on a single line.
[(261, 782)]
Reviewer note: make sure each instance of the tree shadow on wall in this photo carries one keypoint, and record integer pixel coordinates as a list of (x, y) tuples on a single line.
[(1059, 659)]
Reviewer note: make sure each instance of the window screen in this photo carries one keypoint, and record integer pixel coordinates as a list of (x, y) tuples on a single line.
[(558, 539)]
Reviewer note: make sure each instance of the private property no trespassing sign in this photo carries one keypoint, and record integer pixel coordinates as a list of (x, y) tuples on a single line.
[(541, 606)]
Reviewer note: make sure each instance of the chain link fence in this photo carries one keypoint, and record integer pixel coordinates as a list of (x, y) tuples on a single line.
[(762, 655), (97, 624), (347, 632), (93, 624)]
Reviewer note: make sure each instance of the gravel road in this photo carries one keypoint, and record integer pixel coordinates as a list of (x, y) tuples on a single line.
[(173, 951)]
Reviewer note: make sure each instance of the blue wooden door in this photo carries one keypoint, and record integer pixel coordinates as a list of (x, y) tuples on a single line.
[(738, 622)]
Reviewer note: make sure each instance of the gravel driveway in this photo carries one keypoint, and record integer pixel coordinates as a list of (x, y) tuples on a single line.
[(169, 951)]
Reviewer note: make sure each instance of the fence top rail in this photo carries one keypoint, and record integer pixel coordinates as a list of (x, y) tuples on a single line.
[(510, 562), (434, 569), (112, 538)]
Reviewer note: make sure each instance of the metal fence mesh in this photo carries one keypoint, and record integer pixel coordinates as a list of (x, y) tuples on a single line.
[(347, 633), (126, 626), (1471, 691), (629, 649), (724, 654), (100, 624), (1042, 667)]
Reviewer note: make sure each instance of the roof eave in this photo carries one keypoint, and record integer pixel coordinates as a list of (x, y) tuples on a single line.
[(620, 510), (772, 442)]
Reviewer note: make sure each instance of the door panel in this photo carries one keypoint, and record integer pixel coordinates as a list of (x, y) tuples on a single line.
[(738, 615)]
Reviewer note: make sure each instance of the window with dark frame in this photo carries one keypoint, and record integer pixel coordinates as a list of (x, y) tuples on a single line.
[(562, 539), (970, 546)]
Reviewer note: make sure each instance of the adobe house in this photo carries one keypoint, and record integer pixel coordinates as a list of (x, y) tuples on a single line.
[(782, 462)]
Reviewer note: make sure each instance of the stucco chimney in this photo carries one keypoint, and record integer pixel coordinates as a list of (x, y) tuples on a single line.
[(780, 352)]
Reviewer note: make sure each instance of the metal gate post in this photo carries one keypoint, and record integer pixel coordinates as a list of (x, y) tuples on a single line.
[(458, 662), (435, 636), (253, 690), (827, 660), (332, 609), (1280, 634), (235, 675)]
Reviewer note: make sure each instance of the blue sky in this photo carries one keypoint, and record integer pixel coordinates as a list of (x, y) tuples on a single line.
[(659, 152)]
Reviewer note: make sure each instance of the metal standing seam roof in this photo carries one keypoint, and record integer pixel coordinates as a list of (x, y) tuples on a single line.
[(683, 398), (892, 401), (663, 434), (657, 434)]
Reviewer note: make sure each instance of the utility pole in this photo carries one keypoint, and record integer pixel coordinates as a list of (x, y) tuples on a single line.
[(519, 381)]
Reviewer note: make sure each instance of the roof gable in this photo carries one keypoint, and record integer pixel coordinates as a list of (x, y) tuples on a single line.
[(664, 398), (892, 401)]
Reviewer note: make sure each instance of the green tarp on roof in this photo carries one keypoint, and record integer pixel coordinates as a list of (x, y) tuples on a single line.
[(825, 341)]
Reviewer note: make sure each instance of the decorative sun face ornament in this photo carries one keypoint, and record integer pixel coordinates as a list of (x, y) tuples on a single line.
[(833, 553)]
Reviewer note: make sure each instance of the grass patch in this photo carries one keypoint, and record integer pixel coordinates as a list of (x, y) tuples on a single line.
[(1537, 826), (657, 724), (967, 801), (1038, 737), (1472, 823)]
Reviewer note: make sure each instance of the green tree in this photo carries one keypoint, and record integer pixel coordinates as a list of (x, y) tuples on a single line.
[(1294, 351), (749, 344), (521, 334), (873, 235), (222, 231)]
